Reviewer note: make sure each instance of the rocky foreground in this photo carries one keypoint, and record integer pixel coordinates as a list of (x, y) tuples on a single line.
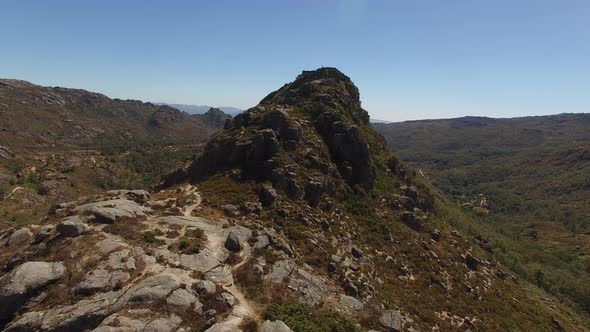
[(124, 261)]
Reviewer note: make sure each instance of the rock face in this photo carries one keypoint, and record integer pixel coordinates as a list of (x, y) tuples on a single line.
[(23, 282)]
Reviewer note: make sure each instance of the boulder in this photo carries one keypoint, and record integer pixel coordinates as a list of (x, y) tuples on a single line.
[(471, 261), (313, 193), (274, 326), (181, 298), (232, 243), (356, 252), (154, 288), (72, 227), (43, 233), (412, 221), (230, 210), (101, 279), (392, 320), (24, 281), (19, 237), (277, 120), (267, 195), (436, 235), (204, 286), (227, 299)]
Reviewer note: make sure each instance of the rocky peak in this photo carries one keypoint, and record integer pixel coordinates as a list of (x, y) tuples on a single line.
[(309, 138)]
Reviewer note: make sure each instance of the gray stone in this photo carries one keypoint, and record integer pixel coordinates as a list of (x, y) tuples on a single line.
[(227, 299), (163, 324), (24, 280), (392, 320), (102, 280), (262, 242), (230, 210), (181, 298), (154, 288), (43, 233), (20, 237), (72, 227), (267, 195), (114, 210), (204, 286), (274, 326), (350, 302)]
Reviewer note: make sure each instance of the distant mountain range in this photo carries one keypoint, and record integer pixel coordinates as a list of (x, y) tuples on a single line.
[(201, 109)]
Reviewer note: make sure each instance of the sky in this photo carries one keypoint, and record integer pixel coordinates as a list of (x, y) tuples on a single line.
[(410, 59)]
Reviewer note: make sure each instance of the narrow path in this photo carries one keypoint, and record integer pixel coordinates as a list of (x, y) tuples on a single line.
[(188, 210)]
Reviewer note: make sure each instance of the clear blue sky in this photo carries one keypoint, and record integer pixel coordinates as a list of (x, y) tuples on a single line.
[(410, 59)]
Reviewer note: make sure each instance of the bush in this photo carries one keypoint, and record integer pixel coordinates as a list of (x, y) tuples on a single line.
[(301, 318)]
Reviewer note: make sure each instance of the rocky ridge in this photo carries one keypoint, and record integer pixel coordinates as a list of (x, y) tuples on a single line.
[(294, 217)]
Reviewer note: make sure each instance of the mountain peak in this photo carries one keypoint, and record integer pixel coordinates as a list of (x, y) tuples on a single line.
[(310, 139)]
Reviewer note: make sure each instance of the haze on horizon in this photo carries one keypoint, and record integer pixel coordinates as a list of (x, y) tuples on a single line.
[(410, 60)]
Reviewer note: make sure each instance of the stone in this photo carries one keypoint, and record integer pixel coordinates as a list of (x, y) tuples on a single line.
[(20, 237), (154, 288), (471, 261), (392, 320), (44, 232), (72, 227), (101, 280), (227, 299), (274, 326), (278, 120), (113, 210), (181, 298), (412, 221), (23, 281), (313, 193), (436, 235), (204, 286), (350, 303), (167, 324), (356, 252), (262, 241), (267, 195), (232, 243), (230, 210), (351, 289)]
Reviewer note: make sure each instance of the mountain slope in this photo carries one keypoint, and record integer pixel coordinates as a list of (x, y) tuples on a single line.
[(361, 219), (58, 144), (34, 116), (534, 172)]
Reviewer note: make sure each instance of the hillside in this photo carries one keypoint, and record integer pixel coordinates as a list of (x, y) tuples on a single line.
[(534, 173), (36, 116), (58, 144)]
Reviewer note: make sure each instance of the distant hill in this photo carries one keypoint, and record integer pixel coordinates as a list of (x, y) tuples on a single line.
[(201, 109), (214, 117), (535, 172)]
